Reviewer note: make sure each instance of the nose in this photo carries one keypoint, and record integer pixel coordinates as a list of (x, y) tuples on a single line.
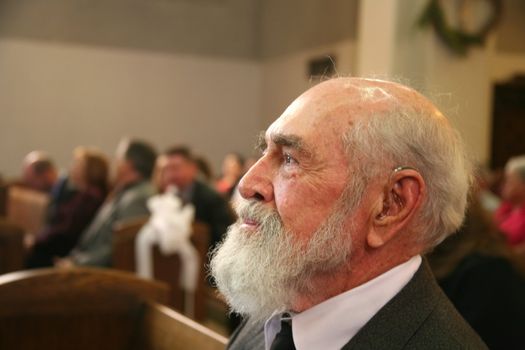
[(256, 183)]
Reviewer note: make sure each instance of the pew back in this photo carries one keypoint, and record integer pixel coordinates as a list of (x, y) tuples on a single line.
[(3, 198), (11, 247), (73, 309), (164, 329), (27, 208)]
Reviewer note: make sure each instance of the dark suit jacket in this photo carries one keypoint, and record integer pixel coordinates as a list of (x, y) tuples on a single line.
[(419, 317), (212, 209)]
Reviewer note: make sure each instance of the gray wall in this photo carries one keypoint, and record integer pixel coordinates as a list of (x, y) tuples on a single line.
[(236, 28), (293, 25), (56, 97), (205, 27), (82, 59)]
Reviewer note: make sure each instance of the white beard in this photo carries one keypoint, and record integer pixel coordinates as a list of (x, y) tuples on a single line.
[(262, 271)]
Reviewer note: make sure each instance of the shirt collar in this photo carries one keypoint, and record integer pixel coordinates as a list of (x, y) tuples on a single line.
[(332, 323)]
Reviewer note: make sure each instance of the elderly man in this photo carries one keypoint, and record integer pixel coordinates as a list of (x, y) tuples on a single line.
[(357, 179)]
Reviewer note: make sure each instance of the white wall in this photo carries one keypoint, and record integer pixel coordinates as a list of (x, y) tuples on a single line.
[(293, 26), (503, 66), (286, 77), (460, 86), (463, 88), (377, 30), (55, 97), (292, 33)]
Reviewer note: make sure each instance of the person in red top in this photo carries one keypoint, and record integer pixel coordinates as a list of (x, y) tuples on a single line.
[(510, 216), (232, 171)]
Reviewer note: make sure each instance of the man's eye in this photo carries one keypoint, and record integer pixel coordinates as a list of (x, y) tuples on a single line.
[(289, 160)]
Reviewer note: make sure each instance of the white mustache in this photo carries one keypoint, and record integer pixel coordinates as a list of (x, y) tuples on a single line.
[(251, 210)]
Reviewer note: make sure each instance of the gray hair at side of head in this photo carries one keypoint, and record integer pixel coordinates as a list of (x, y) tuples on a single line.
[(516, 165), (411, 135)]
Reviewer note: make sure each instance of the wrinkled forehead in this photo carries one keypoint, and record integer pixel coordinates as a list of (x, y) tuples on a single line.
[(329, 109)]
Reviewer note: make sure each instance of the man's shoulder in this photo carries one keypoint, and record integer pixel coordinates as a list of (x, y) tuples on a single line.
[(420, 316), (133, 202), (141, 192), (445, 329)]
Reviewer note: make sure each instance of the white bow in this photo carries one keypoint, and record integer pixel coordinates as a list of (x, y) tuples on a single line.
[(170, 227)]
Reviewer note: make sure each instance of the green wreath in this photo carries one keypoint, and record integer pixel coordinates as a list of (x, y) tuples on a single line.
[(457, 39)]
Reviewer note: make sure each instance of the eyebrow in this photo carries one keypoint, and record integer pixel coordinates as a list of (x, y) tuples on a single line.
[(284, 140), (291, 141)]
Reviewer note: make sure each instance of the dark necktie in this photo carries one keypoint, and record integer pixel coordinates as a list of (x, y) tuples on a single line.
[(283, 340)]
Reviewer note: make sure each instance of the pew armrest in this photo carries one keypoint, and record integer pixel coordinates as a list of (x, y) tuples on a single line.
[(163, 328)]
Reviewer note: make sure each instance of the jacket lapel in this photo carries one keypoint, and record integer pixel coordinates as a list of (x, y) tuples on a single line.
[(409, 308)]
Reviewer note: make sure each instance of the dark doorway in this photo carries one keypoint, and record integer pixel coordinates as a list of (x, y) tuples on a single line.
[(508, 121)]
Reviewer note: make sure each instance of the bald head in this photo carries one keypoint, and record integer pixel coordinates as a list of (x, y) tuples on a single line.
[(39, 171), (358, 97)]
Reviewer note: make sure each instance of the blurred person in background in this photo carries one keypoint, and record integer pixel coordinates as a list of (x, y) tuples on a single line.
[(181, 170), (82, 192), (205, 169), (482, 275), (39, 171), (232, 171), (510, 216), (157, 177), (134, 168)]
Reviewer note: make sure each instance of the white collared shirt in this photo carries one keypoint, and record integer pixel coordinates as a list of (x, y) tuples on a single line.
[(332, 323)]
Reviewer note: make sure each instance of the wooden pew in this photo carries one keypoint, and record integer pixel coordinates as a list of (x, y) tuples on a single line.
[(166, 268), (27, 208), (85, 308), (12, 251), (124, 234), (3, 198), (24, 212), (72, 309), (163, 328)]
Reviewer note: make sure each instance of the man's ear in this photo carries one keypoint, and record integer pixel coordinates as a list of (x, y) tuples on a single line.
[(402, 197)]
